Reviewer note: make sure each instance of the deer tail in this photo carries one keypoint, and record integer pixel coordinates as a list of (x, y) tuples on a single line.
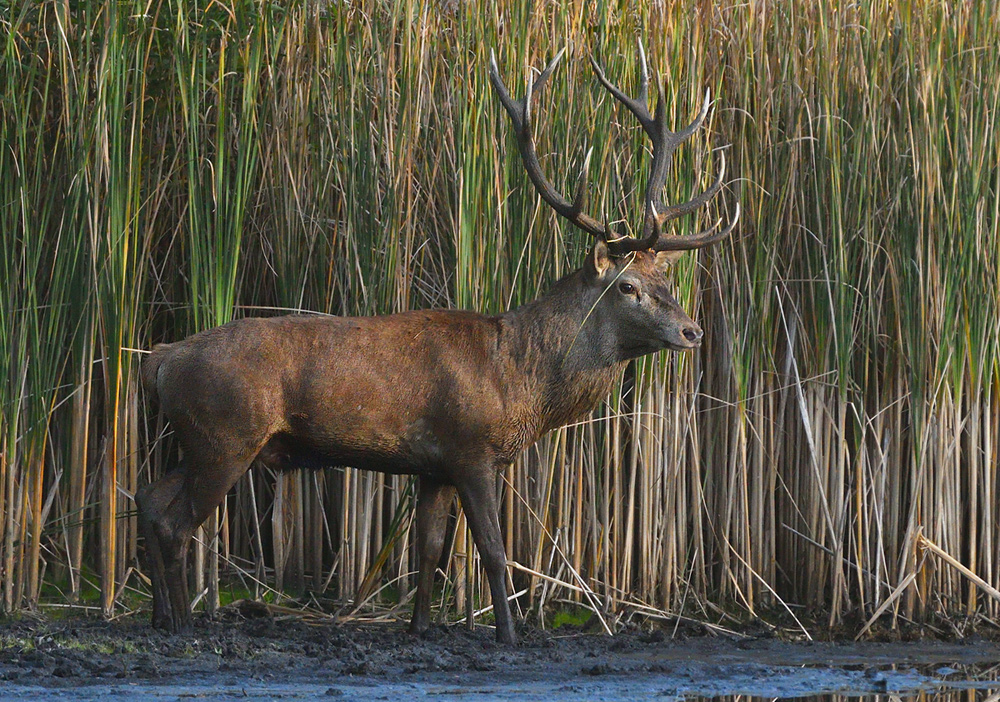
[(151, 369)]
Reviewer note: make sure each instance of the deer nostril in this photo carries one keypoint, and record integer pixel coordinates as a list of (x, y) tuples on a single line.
[(693, 334)]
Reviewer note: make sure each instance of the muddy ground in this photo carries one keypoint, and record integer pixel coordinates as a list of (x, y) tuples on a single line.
[(291, 658)]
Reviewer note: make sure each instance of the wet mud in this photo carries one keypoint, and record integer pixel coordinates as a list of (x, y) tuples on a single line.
[(269, 657)]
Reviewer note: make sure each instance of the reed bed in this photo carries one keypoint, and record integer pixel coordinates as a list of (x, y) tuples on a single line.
[(829, 457)]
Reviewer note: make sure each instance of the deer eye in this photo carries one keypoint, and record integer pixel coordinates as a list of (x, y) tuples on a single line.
[(627, 288)]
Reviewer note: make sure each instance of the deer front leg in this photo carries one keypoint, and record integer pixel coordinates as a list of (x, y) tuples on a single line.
[(479, 502), (433, 502)]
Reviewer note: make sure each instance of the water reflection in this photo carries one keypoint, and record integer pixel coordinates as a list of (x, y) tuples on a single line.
[(968, 692)]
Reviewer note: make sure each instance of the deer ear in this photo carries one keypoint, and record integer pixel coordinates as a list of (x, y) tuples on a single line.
[(666, 259), (599, 259)]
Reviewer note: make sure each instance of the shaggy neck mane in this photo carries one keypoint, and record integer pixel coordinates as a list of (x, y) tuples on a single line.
[(564, 358)]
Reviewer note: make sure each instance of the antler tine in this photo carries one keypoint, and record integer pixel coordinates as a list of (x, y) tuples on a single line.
[(544, 75), (644, 86), (696, 241), (508, 103), (637, 106), (674, 211), (520, 115), (580, 201)]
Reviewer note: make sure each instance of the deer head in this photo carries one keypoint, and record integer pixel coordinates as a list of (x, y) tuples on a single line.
[(627, 273)]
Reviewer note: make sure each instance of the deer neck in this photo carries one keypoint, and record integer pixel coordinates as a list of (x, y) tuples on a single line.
[(563, 356)]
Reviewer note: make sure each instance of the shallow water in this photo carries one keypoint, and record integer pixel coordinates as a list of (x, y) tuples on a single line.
[(726, 682), (610, 689), (265, 659)]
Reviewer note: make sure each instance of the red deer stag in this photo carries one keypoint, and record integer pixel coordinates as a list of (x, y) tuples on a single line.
[(445, 395)]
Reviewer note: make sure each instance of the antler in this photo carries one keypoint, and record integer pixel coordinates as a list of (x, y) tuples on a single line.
[(520, 116), (656, 213)]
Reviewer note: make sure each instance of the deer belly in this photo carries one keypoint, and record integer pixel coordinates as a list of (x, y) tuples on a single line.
[(413, 453)]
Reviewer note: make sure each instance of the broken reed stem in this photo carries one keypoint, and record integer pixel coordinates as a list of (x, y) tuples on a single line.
[(888, 602), (924, 543)]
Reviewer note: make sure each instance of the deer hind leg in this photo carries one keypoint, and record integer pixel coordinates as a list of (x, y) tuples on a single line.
[(164, 548), (170, 510), (479, 503), (433, 504)]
